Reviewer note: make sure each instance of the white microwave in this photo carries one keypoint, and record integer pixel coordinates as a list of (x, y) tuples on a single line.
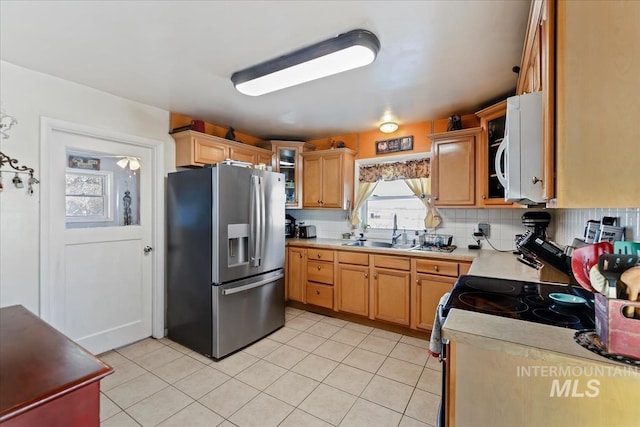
[(520, 172)]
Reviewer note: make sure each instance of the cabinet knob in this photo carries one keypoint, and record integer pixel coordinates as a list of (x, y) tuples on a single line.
[(317, 292), (300, 254), (319, 256), (436, 268), (366, 275), (536, 180), (418, 282), (435, 198), (319, 201), (318, 268), (484, 196), (375, 275)]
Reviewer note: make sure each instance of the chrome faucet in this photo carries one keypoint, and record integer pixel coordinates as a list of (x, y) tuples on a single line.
[(395, 235)]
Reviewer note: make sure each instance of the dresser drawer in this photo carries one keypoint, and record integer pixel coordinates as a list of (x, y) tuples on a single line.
[(320, 254), (394, 262), (433, 266), (321, 295), (319, 271), (357, 258)]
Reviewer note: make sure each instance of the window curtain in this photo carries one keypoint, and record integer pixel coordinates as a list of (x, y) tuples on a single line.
[(365, 189), (421, 188), (415, 174)]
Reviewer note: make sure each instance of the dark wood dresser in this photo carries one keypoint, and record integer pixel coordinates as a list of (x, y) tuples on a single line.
[(45, 378)]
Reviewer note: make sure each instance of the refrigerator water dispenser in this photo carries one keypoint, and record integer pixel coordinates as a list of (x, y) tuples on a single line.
[(238, 252)]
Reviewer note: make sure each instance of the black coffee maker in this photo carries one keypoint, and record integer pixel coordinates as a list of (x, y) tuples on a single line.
[(289, 226)]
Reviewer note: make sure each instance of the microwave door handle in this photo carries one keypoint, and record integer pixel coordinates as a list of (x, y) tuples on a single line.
[(502, 151)]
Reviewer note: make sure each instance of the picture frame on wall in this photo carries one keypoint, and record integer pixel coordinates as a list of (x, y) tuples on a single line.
[(404, 143)]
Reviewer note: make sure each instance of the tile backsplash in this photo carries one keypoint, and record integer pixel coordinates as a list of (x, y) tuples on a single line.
[(504, 224)]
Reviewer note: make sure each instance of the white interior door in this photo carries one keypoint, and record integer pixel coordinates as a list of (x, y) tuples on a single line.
[(100, 285)]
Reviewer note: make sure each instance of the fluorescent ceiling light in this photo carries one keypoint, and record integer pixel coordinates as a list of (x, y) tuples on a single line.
[(347, 51), (388, 127)]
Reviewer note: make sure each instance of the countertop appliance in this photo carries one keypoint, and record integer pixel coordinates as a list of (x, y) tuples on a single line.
[(522, 149), (537, 221), (525, 301), (225, 257), (307, 232), (289, 226)]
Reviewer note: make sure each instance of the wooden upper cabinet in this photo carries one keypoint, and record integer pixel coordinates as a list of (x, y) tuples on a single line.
[(537, 71), (597, 104), (492, 122), (198, 149), (453, 167), (327, 180)]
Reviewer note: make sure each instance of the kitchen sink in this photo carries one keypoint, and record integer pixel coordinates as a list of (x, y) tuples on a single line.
[(373, 244)]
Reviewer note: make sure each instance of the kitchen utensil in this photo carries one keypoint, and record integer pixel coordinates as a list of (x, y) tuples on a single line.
[(631, 279), (598, 281), (612, 266), (584, 258), (566, 299), (628, 248)]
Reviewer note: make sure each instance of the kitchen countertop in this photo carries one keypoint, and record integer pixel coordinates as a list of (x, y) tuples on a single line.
[(517, 337)]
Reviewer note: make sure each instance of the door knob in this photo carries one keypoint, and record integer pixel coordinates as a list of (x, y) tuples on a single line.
[(147, 249), (535, 180)]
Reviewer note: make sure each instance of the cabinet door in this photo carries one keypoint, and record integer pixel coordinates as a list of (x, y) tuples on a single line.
[(332, 181), (288, 163), (295, 272), (353, 289), (453, 178), (206, 152), (391, 296), (243, 155), (429, 290), (312, 182)]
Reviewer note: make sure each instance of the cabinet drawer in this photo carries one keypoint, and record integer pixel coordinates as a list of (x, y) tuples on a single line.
[(321, 295), (432, 266), (319, 271), (394, 262), (320, 254), (353, 258)]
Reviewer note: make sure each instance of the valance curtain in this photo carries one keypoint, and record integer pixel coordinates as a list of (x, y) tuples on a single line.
[(415, 174)]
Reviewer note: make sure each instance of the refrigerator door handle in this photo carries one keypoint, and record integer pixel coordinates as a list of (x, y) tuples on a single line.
[(255, 221), (263, 225), (252, 285)]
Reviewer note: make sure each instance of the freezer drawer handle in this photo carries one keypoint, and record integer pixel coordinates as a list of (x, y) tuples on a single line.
[(251, 285)]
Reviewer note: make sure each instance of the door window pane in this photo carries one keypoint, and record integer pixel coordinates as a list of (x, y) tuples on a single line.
[(102, 190)]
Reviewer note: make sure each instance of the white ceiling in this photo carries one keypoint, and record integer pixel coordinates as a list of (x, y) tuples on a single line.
[(437, 58)]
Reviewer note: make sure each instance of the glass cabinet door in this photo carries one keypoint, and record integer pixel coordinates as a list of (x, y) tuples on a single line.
[(288, 165)]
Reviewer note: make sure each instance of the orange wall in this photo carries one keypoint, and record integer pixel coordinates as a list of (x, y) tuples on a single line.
[(364, 143)]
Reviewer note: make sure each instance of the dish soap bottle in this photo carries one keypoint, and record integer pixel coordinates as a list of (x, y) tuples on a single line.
[(405, 240)]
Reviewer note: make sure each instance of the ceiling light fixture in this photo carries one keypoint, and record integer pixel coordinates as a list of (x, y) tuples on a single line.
[(388, 127), (347, 51), (133, 162)]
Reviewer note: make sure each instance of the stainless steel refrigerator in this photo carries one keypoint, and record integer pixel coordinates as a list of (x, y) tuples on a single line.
[(225, 257)]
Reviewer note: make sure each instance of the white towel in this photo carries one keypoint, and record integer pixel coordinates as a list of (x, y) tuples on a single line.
[(435, 343)]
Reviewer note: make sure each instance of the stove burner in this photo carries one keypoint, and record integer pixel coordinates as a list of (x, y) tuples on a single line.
[(491, 303), (489, 285), (556, 318), (536, 300)]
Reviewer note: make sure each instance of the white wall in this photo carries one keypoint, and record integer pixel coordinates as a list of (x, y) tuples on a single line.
[(27, 96)]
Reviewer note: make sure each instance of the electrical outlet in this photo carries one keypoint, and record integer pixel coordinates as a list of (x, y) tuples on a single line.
[(484, 228)]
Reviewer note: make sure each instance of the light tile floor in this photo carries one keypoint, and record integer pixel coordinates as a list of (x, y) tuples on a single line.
[(315, 371)]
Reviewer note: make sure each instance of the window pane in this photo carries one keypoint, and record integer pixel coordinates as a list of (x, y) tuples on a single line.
[(84, 185), (410, 213), (85, 206)]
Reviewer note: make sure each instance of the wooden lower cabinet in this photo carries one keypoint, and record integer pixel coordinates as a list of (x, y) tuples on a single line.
[(391, 295), (353, 289), (428, 291), (320, 295), (296, 267)]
